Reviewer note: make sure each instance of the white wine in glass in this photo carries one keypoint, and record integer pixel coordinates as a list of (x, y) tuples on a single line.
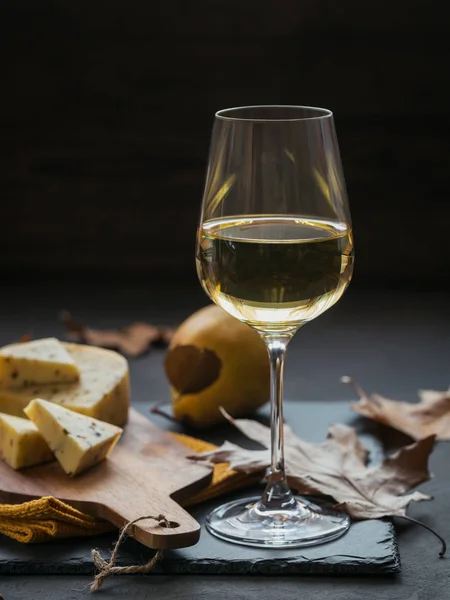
[(275, 250)]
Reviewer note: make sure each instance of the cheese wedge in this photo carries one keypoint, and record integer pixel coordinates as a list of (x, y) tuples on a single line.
[(77, 441), (39, 361), (103, 391), (21, 444)]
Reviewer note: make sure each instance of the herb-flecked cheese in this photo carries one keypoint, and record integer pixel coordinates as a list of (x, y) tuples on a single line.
[(77, 441), (39, 361), (102, 392), (21, 444)]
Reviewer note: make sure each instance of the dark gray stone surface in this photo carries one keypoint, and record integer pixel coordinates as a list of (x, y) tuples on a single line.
[(392, 342), (368, 548)]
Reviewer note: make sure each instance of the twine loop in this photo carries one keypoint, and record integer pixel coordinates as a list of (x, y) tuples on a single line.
[(107, 567)]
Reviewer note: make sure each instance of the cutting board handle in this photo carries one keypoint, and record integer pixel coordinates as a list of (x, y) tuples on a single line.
[(146, 469), (185, 530)]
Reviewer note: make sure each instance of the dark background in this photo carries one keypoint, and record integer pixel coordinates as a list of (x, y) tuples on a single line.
[(106, 111), (107, 108)]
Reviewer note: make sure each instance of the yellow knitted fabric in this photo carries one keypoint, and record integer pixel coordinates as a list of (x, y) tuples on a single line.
[(47, 518)]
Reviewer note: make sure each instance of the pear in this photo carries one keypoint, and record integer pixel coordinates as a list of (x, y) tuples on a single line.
[(216, 361)]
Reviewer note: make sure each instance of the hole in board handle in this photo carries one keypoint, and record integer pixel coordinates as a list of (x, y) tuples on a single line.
[(170, 524)]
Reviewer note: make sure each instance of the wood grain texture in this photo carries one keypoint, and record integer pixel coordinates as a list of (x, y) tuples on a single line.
[(144, 474)]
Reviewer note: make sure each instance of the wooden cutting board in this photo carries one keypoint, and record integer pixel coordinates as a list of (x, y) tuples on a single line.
[(146, 474)]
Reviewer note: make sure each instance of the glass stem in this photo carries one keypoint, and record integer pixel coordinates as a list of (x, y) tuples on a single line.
[(277, 495)]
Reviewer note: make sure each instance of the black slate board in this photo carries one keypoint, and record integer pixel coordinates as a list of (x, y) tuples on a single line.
[(369, 547)]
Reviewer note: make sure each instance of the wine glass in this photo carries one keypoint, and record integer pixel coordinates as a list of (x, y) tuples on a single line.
[(275, 250)]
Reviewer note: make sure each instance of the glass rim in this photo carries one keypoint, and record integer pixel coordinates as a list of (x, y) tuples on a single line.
[(324, 113)]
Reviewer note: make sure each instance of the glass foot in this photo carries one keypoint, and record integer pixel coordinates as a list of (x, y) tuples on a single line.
[(303, 524)]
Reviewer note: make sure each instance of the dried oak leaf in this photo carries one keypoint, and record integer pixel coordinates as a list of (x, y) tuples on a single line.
[(337, 468), (430, 416), (132, 341)]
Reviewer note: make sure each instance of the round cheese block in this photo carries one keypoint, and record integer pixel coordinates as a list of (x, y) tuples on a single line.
[(102, 392)]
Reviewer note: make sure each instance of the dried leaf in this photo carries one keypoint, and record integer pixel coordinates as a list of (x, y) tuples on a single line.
[(430, 416), (191, 369), (337, 468), (131, 341)]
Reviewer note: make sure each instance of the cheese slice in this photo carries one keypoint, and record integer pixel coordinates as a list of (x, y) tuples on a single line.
[(21, 444), (77, 441), (103, 391), (39, 361)]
